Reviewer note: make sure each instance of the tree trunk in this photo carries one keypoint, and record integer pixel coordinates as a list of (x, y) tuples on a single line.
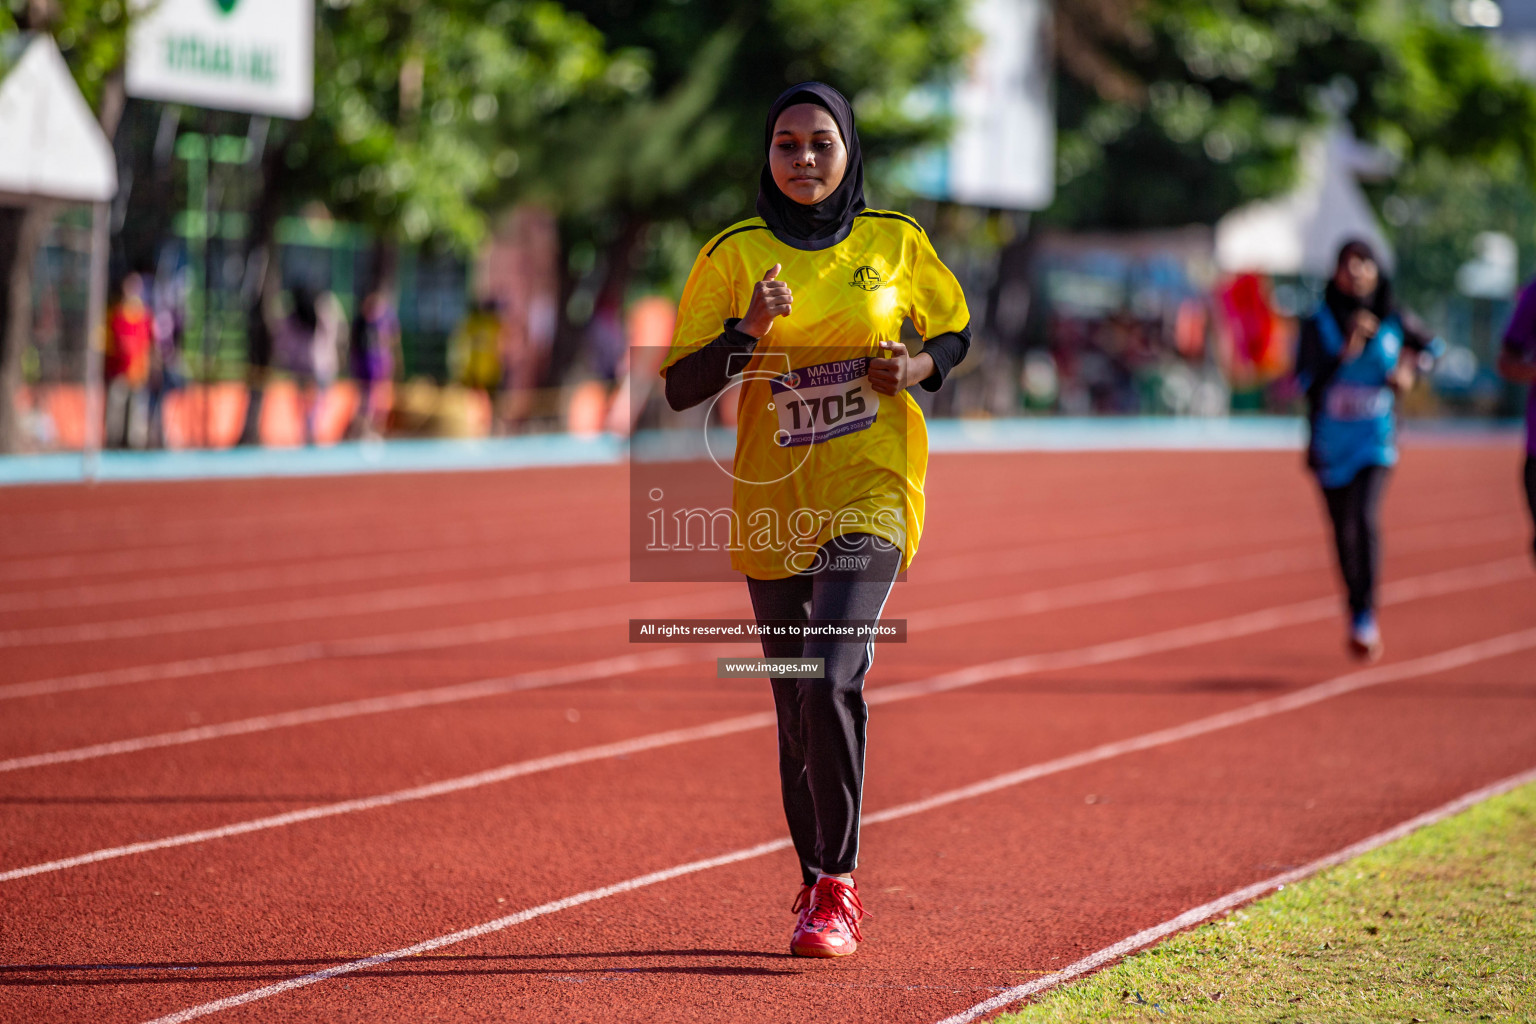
[(616, 268), (262, 278), (21, 232)]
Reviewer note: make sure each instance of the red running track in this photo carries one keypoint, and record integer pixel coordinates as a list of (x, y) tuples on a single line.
[(1065, 612)]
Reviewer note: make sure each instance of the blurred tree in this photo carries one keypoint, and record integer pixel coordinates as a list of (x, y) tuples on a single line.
[(1175, 111), (423, 110), (1436, 208), (92, 35)]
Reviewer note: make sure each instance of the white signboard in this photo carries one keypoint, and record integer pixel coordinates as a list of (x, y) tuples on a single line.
[(1003, 151), (249, 55)]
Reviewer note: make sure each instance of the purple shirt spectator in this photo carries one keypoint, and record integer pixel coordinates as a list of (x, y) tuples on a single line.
[(1520, 341)]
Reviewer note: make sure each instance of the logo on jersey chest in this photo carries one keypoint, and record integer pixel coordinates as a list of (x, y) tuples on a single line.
[(868, 278)]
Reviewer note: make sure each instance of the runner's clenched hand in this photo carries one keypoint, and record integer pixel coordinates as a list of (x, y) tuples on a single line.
[(900, 370), (1362, 328), (770, 298)]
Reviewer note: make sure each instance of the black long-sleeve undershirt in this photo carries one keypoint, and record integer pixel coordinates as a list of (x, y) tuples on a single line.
[(947, 350), (701, 374)]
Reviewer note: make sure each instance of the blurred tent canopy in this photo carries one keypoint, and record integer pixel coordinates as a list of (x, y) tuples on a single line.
[(58, 150), (91, 35), (1301, 232)]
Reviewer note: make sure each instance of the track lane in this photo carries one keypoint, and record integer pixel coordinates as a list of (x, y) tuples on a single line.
[(941, 571), (373, 745), (103, 651), (1166, 580), (944, 865), (1251, 659)]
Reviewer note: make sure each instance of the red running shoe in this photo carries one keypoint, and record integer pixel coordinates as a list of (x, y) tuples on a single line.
[(830, 912)]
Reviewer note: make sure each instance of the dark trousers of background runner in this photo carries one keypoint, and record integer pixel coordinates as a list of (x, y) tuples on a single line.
[(1354, 510), (1530, 493), (822, 721)]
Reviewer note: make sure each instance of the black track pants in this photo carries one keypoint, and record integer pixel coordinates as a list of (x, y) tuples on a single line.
[(822, 721), (1530, 491), (1353, 509)]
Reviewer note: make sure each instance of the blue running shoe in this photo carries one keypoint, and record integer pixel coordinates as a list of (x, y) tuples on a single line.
[(1365, 638)]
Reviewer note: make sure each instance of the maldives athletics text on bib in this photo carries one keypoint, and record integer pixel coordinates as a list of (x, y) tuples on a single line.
[(817, 403)]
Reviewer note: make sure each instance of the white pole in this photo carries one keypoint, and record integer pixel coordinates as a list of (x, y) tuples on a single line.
[(95, 337)]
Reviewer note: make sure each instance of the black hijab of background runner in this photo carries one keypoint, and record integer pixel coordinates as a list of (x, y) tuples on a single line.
[(824, 224), (1343, 305)]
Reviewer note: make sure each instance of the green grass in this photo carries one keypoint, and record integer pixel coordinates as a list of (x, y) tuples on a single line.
[(1439, 926)]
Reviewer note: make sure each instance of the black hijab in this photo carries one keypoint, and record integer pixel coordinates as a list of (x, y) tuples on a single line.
[(1343, 305), (828, 222)]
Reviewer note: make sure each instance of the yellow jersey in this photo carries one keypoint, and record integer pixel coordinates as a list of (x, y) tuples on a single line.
[(820, 454)]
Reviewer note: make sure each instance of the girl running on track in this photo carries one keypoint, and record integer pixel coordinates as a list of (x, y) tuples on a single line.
[(1351, 362), (806, 300)]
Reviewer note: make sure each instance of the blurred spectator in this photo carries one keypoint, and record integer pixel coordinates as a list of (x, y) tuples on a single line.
[(651, 321), (373, 346), (1116, 324), (1256, 334), (605, 335), (167, 372), (258, 349), (474, 354), (130, 334), (308, 341)]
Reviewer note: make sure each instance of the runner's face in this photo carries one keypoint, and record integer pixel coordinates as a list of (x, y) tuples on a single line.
[(1357, 276), (806, 155)]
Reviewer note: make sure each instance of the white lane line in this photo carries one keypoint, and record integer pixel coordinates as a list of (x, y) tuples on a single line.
[(1467, 654), (1417, 539), (1151, 581), (1430, 664), (344, 569), (1427, 536), (216, 523), (369, 646), (160, 545), (488, 928), (369, 602), (1234, 899), (488, 777), (1072, 550), (303, 545), (1411, 589), (1238, 626), (1032, 602), (604, 668), (353, 569)]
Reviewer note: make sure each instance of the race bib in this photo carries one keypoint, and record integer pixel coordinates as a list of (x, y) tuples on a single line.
[(1357, 402), (817, 403)]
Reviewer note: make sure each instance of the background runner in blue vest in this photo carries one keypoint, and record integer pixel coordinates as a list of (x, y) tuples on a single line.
[(1517, 362), (1351, 362)]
